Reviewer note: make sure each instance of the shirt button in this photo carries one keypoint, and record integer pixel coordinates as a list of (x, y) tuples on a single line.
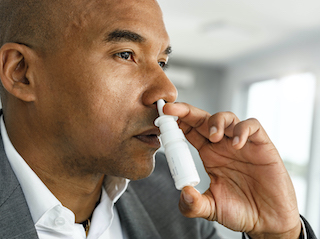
[(59, 221)]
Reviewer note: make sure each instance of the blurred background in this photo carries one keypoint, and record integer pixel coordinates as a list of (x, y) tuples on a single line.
[(259, 59)]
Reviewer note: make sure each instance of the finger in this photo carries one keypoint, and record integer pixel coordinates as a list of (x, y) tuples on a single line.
[(221, 124), (190, 117), (192, 204), (251, 130), (196, 139)]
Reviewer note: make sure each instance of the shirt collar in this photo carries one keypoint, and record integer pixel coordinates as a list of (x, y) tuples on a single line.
[(115, 187)]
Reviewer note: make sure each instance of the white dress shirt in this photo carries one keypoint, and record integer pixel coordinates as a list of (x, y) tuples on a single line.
[(51, 218)]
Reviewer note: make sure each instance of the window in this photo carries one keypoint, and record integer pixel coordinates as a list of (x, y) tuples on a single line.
[(285, 109)]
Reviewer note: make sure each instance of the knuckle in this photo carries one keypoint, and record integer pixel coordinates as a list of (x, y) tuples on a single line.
[(253, 121), (225, 116)]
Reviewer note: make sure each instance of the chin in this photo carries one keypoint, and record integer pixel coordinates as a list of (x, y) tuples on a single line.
[(141, 173), (141, 169)]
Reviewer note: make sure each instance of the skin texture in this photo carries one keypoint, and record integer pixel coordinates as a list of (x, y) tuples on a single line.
[(79, 98)]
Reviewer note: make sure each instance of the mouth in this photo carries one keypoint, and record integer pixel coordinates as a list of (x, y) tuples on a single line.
[(150, 137)]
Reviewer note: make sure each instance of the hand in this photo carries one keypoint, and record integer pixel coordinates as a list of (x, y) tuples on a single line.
[(250, 189)]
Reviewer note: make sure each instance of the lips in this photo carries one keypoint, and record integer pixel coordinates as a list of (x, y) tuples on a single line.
[(150, 137)]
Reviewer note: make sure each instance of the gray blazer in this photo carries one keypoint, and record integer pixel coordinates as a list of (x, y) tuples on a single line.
[(148, 209)]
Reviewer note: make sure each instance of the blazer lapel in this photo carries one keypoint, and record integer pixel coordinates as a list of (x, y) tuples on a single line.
[(134, 218), (15, 217)]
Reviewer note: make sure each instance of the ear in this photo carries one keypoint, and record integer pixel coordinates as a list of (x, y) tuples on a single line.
[(14, 71)]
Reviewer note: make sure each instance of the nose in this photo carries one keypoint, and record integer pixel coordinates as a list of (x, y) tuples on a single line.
[(159, 87)]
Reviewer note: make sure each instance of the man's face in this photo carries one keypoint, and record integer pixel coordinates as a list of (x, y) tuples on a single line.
[(96, 95)]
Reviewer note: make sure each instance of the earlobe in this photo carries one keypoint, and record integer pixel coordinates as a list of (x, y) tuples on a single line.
[(13, 71)]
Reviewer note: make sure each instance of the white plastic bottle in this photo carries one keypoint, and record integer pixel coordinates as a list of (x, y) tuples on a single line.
[(180, 161)]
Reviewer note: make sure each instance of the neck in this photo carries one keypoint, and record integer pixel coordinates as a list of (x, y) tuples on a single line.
[(79, 195)]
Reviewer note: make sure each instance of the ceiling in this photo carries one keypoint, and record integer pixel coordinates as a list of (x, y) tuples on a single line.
[(221, 31)]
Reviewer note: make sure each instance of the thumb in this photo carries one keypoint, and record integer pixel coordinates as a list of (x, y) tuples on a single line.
[(192, 204)]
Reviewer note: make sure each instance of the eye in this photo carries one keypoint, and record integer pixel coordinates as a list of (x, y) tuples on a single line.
[(126, 55), (163, 65)]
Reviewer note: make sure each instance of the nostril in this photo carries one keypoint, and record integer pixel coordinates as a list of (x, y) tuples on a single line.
[(155, 103)]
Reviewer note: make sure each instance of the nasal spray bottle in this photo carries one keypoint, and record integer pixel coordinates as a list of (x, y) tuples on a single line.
[(180, 161)]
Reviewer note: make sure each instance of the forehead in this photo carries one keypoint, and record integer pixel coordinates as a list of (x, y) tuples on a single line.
[(104, 16)]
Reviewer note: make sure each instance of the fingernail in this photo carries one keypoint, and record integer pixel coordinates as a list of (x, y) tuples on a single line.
[(235, 141), (187, 198), (213, 130)]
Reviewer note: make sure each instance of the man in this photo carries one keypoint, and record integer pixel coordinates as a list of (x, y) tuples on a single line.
[(79, 84)]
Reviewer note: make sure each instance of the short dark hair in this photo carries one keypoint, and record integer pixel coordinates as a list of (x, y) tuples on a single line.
[(34, 23)]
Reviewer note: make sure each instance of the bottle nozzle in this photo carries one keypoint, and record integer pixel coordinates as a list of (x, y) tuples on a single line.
[(160, 104)]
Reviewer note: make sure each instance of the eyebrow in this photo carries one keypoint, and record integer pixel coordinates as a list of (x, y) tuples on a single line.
[(124, 36)]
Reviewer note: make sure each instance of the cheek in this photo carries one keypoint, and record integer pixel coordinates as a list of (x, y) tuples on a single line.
[(107, 126)]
